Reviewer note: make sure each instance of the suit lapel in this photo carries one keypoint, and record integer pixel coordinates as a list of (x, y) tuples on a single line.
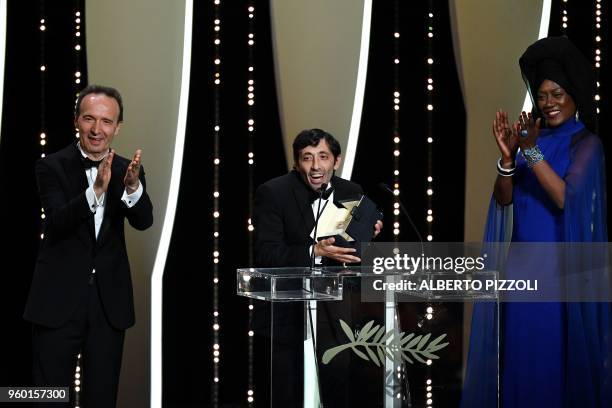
[(77, 179), (301, 195), (75, 173)]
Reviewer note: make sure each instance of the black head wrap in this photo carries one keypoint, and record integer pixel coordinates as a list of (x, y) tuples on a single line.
[(558, 60)]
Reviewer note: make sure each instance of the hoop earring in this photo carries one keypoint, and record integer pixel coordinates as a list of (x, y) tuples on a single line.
[(577, 115)]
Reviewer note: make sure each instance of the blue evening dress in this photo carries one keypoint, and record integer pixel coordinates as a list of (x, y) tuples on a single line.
[(552, 354)]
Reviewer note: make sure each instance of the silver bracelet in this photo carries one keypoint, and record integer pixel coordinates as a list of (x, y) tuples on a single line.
[(533, 155), (504, 172)]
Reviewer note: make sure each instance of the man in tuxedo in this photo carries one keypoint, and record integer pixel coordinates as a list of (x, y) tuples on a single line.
[(284, 220), (81, 297), (285, 206)]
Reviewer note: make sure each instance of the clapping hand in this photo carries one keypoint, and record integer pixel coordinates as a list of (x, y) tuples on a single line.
[(104, 175), (131, 179), (529, 129), (506, 137)]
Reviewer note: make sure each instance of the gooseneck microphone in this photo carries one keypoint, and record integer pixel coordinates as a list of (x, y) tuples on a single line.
[(322, 194), (388, 189)]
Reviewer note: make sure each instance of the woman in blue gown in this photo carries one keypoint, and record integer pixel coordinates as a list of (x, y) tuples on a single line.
[(551, 354)]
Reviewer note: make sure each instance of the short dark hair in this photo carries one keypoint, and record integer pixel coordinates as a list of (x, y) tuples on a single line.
[(99, 89), (312, 137)]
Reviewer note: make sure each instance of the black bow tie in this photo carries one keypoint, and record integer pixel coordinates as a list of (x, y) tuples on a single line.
[(88, 163), (315, 195)]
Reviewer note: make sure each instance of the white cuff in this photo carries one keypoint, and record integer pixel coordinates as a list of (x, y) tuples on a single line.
[(318, 259), (131, 199)]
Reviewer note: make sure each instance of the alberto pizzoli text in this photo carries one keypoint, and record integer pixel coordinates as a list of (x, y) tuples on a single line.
[(449, 285)]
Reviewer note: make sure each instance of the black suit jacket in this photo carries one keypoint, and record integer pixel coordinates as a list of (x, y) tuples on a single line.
[(69, 251), (283, 219)]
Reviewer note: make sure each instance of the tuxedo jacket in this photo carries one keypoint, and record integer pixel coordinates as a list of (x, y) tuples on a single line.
[(70, 251), (283, 219)]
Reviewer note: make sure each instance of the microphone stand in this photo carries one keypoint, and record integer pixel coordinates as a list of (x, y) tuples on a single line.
[(321, 194), (309, 304)]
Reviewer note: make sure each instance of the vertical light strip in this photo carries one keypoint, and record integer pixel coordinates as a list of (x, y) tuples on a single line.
[(157, 277), (77, 49), (598, 59), (544, 24), (250, 397), (362, 71), (429, 397), (564, 17), (429, 107), (2, 53), (396, 118), (77, 87), (429, 32), (43, 69), (390, 306), (42, 136), (216, 197), (428, 390)]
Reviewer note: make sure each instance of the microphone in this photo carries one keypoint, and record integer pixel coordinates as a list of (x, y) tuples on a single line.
[(323, 194), (326, 191), (388, 189)]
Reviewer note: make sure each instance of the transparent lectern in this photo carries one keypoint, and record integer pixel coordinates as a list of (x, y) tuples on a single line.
[(348, 337)]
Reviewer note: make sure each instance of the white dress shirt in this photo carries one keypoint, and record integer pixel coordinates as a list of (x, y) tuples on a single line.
[(97, 204), (315, 207)]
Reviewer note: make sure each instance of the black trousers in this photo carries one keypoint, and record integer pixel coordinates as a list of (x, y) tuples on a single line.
[(55, 352)]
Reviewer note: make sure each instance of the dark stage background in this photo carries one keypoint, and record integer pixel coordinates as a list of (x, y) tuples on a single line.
[(35, 102)]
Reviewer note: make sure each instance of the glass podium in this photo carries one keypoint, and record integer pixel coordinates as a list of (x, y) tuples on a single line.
[(346, 337)]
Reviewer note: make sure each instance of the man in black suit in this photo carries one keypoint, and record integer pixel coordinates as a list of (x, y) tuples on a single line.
[(284, 220), (81, 297), (285, 206)]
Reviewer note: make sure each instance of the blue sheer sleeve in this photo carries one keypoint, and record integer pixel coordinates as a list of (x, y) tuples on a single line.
[(589, 324), (585, 192)]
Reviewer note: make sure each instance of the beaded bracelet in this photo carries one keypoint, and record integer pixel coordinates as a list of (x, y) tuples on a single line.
[(533, 155), (504, 172)]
